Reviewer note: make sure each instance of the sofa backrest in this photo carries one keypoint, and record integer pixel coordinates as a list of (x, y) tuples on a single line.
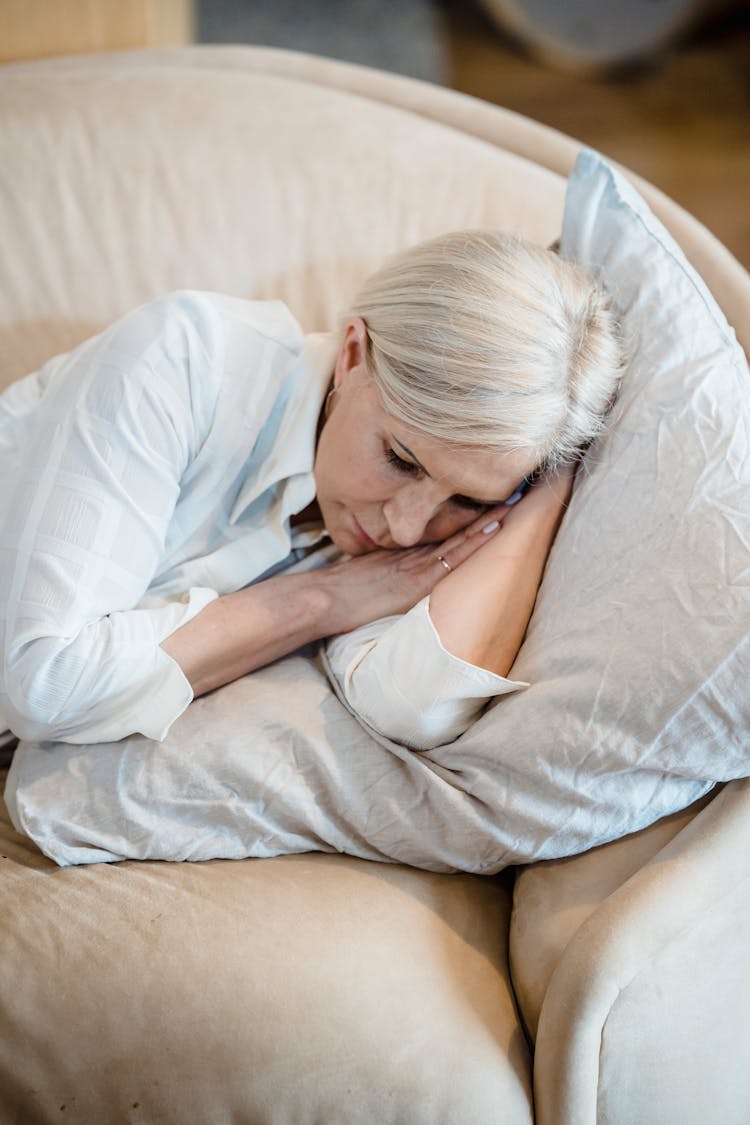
[(124, 178), (256, 172)]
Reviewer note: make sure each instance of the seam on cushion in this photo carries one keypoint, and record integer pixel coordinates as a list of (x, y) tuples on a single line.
[(675, 937)]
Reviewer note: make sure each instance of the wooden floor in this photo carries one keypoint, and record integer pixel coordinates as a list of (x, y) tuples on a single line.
[(683, 123)]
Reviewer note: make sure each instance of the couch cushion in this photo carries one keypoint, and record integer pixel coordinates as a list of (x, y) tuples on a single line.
[(312, 988), (552, 900)]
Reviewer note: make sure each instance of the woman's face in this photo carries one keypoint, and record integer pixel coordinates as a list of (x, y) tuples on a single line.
[(382, 484)]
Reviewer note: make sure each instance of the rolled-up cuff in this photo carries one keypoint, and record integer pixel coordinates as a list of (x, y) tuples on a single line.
[(142, 690), (168, 693), (400, 679)]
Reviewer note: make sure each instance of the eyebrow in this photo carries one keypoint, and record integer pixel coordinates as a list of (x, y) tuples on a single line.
[(418, 463)]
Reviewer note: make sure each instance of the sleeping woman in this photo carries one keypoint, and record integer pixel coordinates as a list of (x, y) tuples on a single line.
[(201, 489)]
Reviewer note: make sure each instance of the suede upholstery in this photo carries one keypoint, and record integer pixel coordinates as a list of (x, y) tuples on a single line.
[(321, 988), (306, 988)]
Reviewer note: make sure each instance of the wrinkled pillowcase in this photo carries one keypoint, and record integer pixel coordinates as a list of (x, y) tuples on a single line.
[(637, 651)]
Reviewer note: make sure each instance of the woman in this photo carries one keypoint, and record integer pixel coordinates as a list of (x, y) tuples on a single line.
[(165, 483)]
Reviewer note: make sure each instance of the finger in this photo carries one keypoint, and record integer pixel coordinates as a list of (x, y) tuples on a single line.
[(443, 562), (453, 553), (497, 513), (476, 527)]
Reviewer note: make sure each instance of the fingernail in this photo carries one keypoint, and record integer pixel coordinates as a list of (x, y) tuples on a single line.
[(490, 527), (515, 497)]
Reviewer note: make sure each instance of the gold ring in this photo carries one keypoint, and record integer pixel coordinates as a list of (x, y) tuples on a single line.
[(443, 562)]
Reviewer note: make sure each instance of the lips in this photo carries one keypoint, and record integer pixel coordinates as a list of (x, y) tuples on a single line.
[(362, 534)]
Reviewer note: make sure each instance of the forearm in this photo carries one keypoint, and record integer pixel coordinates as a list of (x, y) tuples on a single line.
[(252, 627), (248, 629), (481, 610), (245, 630)]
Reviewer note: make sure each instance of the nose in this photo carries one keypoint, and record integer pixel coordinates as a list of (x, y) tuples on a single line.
[(407, 513)]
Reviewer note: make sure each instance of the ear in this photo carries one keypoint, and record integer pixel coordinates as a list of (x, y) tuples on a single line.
[(352, 355)]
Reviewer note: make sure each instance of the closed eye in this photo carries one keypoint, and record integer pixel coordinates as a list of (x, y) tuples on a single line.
[(467, 502), (399, 463), (414, 469)]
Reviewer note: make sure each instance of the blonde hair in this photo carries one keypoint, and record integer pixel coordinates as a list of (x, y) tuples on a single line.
[(481, 338)]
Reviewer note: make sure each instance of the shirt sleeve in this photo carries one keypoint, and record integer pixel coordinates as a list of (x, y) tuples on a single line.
[(397, 678), (86, 504)]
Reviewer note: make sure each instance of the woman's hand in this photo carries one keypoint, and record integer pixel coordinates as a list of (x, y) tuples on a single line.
[(381, 583), (480, 604), (245, 630)]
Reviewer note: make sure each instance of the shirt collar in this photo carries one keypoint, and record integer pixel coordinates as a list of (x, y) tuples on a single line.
[(287, 474)]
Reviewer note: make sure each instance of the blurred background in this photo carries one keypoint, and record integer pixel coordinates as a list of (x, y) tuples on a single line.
[(661, 85)]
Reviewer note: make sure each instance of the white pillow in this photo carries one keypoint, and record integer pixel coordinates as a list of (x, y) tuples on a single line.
[(637, 651)]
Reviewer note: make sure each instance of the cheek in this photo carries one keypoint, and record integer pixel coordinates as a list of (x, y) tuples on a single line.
[(346, 472), (333, 457), (365, 476)]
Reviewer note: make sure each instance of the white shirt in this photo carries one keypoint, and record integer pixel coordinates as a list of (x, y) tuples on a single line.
[(147, 472)]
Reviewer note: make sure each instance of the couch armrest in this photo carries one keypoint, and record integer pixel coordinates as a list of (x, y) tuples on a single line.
[(646, 1015)]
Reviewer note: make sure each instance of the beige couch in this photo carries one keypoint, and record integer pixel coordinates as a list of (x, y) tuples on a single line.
[(612, 987)]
